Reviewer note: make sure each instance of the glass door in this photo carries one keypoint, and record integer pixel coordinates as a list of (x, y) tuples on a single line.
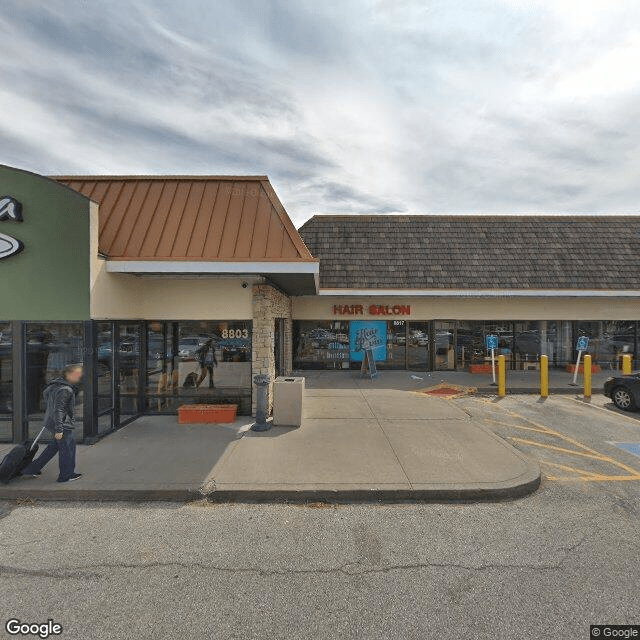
[(162, 378), (128, 369), (104, 376), (444, 341), (418, 346)]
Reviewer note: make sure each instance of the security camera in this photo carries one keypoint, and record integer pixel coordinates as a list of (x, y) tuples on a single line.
[(244, 285)]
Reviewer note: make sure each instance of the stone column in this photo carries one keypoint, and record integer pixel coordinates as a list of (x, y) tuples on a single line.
[(268, 304)]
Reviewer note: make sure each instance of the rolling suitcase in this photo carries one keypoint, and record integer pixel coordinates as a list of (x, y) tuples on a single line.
[(18, 458)]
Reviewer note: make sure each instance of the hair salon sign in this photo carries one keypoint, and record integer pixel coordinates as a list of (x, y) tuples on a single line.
[(11, 211), (373, 309)]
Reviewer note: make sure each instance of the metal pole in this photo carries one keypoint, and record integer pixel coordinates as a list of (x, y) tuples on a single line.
[(262, 402), (587, 378), (493, 366), (575, 373), (501, 377), (544, 376)]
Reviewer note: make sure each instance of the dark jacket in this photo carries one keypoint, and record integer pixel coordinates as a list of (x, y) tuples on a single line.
[(60, 397), (206, 354)]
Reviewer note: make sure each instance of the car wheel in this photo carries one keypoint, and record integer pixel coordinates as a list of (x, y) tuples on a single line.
[(623, 399)]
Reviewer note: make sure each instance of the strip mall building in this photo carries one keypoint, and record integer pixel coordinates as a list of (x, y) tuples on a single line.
[(132, 275)]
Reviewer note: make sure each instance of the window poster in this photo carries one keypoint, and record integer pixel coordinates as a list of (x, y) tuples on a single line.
[(370, 334)]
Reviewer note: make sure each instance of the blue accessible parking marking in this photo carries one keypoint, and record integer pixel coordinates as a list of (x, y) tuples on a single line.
[(631, 447)]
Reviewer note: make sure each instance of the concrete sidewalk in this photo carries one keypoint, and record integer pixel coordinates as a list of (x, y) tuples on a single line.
[(516, 381), (367, 442)]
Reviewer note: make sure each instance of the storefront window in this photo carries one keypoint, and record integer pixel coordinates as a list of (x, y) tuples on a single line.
[(129, 358), (6, 381), (609, 340), (104, 376), (396, 346), (418, 346), (198, 362), (320, 344), (558, 344), (470, 349), (49, 348), (527, 344), (444, 341)]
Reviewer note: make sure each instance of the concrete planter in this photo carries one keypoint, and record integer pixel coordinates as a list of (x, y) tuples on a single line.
[(206, 413), (595, 368)]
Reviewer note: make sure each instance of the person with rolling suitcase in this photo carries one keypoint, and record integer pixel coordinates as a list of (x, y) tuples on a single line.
[(60, 399), (18, 458)]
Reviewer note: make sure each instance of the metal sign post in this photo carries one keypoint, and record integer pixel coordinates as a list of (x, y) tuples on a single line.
[(583, 343), (492, 343)]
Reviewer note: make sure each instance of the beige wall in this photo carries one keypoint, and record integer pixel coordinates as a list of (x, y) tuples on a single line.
[(499, 308), (128, 297)]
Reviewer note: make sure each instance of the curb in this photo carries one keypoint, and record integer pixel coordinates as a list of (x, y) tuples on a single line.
[(381, 496), (253, 495)]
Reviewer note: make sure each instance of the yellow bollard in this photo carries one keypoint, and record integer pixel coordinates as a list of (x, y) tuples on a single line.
[(626, 364), (501, 377), (587, 378), (544, 376)]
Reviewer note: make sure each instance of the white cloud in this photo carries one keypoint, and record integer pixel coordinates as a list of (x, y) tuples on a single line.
[(358, 106)]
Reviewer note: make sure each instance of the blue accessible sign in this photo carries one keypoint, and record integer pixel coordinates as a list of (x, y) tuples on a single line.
[(492, 342), (583, 343)]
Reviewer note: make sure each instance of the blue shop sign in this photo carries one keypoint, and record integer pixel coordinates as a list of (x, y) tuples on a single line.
[(368, 335)]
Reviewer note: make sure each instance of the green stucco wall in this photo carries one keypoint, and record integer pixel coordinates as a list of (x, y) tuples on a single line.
[(49, 279)]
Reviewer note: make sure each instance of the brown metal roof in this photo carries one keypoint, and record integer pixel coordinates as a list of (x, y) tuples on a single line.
[(191, 218)]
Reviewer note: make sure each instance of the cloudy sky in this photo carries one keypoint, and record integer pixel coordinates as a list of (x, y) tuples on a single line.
[(356, 106)]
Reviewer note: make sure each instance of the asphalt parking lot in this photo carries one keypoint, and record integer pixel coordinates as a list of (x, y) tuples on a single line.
[(544, 566), (575, 442)]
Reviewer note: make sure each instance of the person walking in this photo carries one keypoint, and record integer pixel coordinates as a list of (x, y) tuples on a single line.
[(60, 398), (206, 356)]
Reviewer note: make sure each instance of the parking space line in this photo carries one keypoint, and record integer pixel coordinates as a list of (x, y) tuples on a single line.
[(582, 472), (562, 449), (591, 405), (583, 476), (583, 450), (517, 426)]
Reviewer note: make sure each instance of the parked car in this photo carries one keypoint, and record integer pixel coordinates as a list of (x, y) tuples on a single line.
[(624, 391), (189, 345)]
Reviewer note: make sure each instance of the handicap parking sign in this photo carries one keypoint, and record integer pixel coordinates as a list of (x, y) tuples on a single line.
[(492, 342), (583, 343)]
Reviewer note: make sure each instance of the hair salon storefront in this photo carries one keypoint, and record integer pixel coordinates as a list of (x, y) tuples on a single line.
[(425, 291), (179, 289), (169, 290)]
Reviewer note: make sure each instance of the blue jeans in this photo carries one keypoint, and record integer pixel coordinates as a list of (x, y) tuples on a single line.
[(66, 450)]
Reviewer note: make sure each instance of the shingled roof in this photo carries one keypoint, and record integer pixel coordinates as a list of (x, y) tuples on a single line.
[(591, 252)]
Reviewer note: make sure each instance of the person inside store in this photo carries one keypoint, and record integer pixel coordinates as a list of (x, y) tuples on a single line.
[(60, 399)]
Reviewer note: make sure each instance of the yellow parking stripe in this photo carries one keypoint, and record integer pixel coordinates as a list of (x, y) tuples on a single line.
[(517, 426), (562, 449), (584, 450), (587, 474)]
